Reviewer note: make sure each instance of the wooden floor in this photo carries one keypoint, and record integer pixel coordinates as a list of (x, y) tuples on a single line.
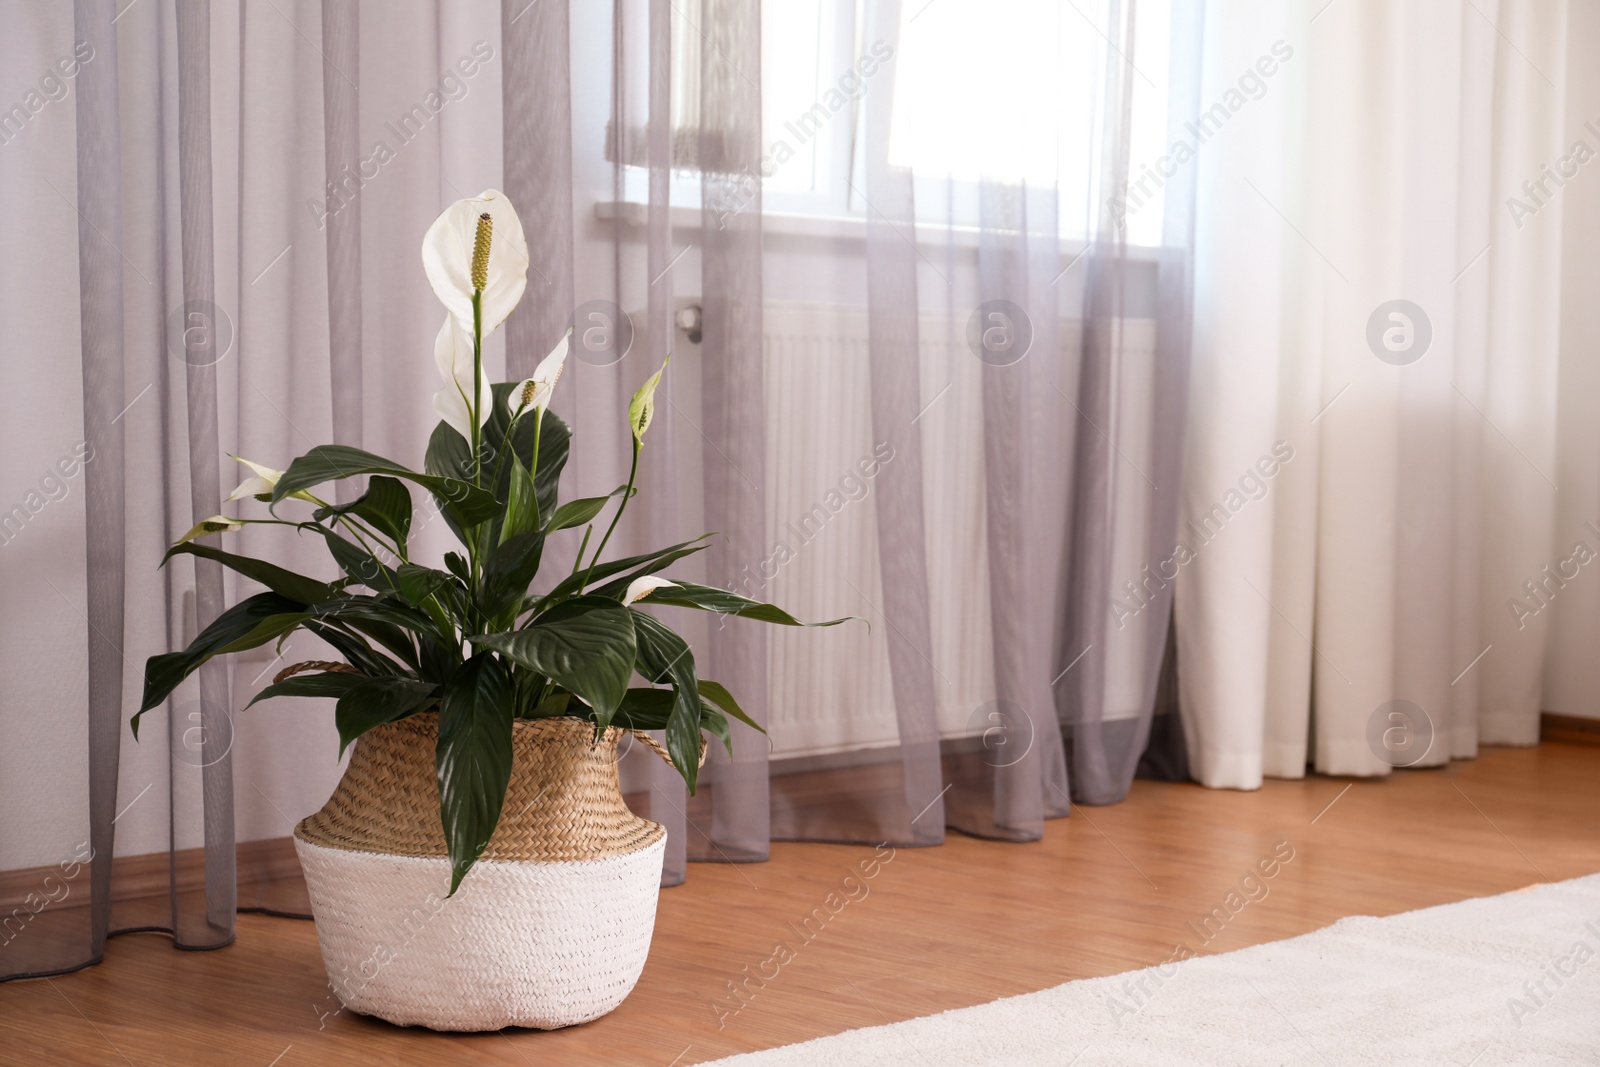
[(1108, 890)]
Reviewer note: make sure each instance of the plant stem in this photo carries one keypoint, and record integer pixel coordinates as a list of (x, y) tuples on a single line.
[(372, 552), (533, 471), (633, 472), (399, 552), (577, 563), (396, 549), (477, 376), (474, 549), (508, 444)]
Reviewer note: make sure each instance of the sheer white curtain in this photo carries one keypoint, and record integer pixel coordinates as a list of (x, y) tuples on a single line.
[(1370, 483)]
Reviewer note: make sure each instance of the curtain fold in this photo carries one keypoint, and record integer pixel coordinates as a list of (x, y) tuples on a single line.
[(1108, 744), (201, 355), (733, 407), (537, 117), (70, 942), (1017, 510), (668, 796), (1066, 510), (1376, 362), (341, 139), (916, 812), (207, 170)]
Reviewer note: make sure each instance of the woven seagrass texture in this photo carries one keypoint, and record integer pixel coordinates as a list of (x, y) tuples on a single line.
[(332, 666), (564, 801), (521, 944)]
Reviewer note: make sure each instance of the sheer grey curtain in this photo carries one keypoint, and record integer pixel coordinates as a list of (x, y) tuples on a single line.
[(230, 266), (221, 260), (144, 248), (1080, 441)]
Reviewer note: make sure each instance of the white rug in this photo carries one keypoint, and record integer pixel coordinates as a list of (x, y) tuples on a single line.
[(1512, 979)]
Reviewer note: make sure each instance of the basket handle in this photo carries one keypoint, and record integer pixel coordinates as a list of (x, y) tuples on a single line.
[(313, 665), (655, 746)]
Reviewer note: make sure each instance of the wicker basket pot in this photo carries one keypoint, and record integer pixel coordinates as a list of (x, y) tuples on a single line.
[(550, 928)]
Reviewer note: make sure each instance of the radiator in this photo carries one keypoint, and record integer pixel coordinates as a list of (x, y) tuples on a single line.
[(831, 689)]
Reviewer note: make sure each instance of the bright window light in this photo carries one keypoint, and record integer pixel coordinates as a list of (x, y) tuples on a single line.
[(798, 38), (1012, 91)]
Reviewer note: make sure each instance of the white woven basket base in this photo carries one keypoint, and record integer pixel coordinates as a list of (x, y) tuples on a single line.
[(521, 944)]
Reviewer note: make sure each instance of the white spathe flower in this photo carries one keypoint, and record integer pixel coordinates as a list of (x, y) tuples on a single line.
[(215, 524), (534, 393), (452, 351), (640, 588), (260, 483), (447, 259)]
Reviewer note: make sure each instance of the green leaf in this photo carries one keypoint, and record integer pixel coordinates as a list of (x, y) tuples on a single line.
[(554, 442), (713, 722), (718, 694), (385, 506), (645, 709), (500, 436), (164, 673), (285, 583), (353, 648), (327, 463), (362, 566), (554, 704), (448, 456), (437, 661), (432, 592), (509, 571), (325, 684), (577, 512), (585, 645), (268, 628), (375, 701), (473, 759), (721, 601), (387, 620), (522, 504), (642, 408), (417, 583), (651, 709), (652, 561), (663, 656)]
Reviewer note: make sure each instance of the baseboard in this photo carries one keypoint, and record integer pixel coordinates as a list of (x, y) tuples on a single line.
[(259, 862), (155, 874), (1569, 729)]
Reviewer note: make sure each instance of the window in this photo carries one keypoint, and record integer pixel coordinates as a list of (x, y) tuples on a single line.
[(1011, 90), (1008, 90), (810, 118)]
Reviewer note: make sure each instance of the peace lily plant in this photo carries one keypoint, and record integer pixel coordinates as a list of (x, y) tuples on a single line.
[(468, 638)]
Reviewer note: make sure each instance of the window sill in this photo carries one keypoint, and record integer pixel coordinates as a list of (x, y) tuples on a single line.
[(633, 214)]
